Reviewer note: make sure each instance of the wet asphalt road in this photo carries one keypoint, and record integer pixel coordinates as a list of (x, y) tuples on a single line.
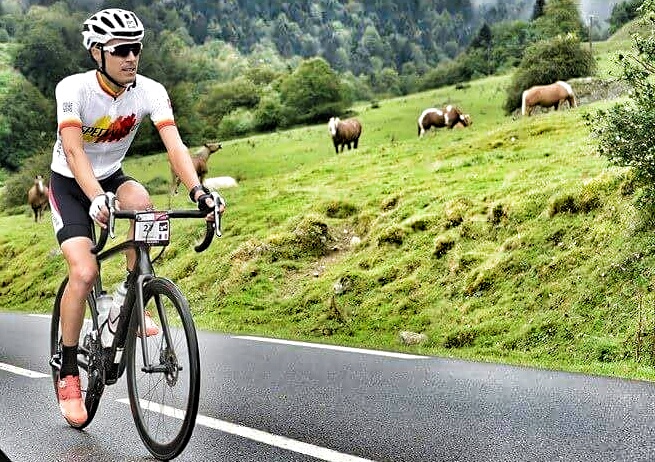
[(264, 401)]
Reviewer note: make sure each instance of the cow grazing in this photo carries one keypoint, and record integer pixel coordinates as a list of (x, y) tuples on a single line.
[(448, 116), (344, 132), (547, 96), (37, 197), (199, 163)]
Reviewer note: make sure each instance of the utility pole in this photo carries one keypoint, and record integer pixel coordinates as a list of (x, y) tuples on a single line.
[(591, 23)]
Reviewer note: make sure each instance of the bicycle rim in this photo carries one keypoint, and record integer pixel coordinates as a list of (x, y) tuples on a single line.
[(164, 403), (90, 377)]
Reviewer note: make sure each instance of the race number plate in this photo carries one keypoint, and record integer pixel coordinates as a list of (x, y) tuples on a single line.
[(152, 228)]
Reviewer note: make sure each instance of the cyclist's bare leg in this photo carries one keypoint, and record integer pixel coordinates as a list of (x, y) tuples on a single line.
[(82, 272), (133, 196)]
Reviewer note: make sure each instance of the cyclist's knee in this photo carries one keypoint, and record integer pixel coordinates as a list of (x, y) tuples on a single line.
[(84, 274), (133, 196)]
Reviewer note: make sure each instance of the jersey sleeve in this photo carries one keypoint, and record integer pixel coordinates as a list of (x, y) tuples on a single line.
[(68, 104), (161, 111)]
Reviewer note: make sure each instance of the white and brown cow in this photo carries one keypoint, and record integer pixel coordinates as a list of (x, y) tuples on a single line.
[(448, 116)]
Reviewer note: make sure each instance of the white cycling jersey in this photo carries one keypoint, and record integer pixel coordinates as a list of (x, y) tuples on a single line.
[(108, 123)]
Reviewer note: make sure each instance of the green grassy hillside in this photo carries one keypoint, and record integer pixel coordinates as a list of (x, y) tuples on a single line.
[(511, 240)]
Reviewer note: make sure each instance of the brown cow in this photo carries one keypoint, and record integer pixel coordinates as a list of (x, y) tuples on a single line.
[(344, 132), (199, 163), (547, 96), (448, 116), (37, 197)]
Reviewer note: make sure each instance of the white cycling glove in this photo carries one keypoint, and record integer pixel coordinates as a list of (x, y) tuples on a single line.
[(100, 201)]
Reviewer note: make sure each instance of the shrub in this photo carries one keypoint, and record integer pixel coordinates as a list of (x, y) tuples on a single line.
[(546, 62), (237, 123), (269, 113), (624, 132)]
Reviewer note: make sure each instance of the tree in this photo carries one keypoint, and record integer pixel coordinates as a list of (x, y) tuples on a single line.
[(560, 17), (624, 132), (27, 124), (511, 38), (483, 39), (198, 28), (223, 98), (481, 46), (622, 13), (538, 10), (51, 47), (313, 92)]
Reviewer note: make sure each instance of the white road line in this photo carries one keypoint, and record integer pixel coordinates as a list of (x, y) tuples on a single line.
[(391, 354), (282, 442), (41, 315), (21, 371)]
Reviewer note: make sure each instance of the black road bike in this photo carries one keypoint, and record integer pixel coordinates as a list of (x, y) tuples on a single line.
[(163, 371)]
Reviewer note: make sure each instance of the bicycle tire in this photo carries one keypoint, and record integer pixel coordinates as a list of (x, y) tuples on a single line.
[(90, 375), (175, 348)]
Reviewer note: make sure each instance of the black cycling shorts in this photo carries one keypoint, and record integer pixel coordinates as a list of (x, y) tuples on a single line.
[(70, 206)]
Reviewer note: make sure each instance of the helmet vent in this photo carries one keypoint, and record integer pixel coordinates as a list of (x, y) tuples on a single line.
[(119, 20)]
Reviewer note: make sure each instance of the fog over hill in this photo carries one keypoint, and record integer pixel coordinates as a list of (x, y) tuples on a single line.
[(600, 9)]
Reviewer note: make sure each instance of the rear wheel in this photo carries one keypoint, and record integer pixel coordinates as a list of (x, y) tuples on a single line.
[(88, 357), (164, 397)]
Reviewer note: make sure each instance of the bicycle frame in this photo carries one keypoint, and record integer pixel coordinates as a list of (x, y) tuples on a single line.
[(175, 360), (142, 272)]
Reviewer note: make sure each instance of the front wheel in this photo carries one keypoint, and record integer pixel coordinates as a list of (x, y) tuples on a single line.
[(164, 392), (88, 357)]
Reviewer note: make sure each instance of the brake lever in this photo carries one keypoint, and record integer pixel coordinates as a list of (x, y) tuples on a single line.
[(111, 205), (218, 200)]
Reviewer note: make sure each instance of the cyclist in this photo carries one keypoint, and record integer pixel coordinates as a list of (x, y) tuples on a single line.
[(98, 113)]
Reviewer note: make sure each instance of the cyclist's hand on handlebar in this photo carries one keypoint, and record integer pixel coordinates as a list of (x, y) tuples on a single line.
[(99, 210), (207, 201)]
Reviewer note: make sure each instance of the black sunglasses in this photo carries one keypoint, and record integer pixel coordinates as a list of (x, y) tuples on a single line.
[(123, 50)]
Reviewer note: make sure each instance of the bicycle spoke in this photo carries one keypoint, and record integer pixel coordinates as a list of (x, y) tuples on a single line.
[(164, 390)]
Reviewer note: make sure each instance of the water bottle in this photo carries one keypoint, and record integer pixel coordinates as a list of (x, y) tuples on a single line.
[(109, 330), (103, 305)]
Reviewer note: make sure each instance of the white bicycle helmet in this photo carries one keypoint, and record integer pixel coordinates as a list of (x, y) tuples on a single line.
[(113, 23)]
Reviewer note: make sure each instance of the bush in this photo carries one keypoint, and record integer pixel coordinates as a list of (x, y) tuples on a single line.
[(237, 123), (313, 92), (624, 132), (269, 113), (547, 61)]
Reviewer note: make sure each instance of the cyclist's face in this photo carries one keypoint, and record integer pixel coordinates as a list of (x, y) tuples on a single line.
[(121, 60)]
